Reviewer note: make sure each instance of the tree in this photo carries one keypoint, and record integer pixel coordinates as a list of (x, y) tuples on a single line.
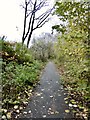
[(72, 49), (36, 18), (42, 49), (75, 12)]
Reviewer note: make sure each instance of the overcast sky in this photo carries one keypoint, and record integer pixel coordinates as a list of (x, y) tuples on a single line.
[(11, 20)]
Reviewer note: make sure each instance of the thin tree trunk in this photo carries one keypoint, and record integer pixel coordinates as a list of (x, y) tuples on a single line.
[(31, 8), (23, 39), (29, 37)]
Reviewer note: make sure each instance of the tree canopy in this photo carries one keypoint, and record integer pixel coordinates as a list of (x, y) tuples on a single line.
[(73, 47)]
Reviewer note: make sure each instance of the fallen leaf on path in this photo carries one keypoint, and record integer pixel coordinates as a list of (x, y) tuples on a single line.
[(24, 112), (42, 89), (29, 111), (65, 88), (17, 111), (42, 97), (51, 113), (21, 108), (9, 115), (74, 111), (16, 117), (3, 117), (5, 110), (16, 107), (85, 109), (65, 98), (61, 87), (67, 111), (81, 107), (77, 114), (19, 97), (30, 90), (50, 109), (72, 100), (44, 116), (75, 106), (65, 93), (1, 110), (51, 96), (85, 116), (56, 112), (70, 105), (43, 106), (29, 94), (38, 94), (48, 113), (66, 102), (25, 102)]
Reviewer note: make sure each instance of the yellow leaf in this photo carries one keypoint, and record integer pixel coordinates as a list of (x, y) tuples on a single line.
[(16, 107), (3, 117), (66, 102), (5, 110), (67, 111), (65, 98), (9, 115), (21, 108)]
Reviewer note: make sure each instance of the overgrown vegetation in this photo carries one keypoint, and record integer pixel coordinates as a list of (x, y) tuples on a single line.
[(73, 52), (42, 50), (21, 66), (20, 73)]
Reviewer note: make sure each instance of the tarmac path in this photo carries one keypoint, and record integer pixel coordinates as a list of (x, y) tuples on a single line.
[(47, 100)]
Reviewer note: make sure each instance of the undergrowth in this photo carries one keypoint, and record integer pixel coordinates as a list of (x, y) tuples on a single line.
[(20, 74)]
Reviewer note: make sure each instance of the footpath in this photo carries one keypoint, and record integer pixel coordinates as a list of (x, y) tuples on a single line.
[(47, 100)]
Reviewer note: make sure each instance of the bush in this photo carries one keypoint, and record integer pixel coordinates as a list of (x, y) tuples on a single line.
[(20, 73)]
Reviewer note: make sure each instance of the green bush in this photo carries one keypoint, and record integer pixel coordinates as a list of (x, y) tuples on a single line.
[(22, 53), (15, 52), (20, 73)]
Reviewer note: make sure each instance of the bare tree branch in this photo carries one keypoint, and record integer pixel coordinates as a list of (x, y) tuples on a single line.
[(42, 15), (38, 7), (24, 22), (29, 26), (41, 21), (31, 2), (31, 9), (39, 26)]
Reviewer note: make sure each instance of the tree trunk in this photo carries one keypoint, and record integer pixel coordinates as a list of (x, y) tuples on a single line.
[(23, 39)]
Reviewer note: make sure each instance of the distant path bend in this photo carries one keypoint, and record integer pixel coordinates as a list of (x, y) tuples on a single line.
[(48, 98)]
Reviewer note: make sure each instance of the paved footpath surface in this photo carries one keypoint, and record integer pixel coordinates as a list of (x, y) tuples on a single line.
[(48, 98)]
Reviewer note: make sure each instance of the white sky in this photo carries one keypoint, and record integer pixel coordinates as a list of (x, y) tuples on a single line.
[(11, 17)]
